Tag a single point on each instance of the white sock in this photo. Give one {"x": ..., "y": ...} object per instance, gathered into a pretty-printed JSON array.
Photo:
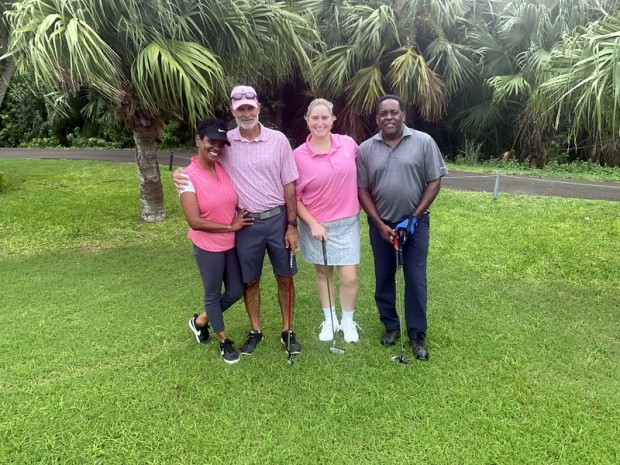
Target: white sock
[
  {"x": 327, "y": 314},
  {"x": 347, "y": 315}
]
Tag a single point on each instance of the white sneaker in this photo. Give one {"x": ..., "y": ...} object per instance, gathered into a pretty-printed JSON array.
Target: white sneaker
[
  {"x": 349, "y": 330},
  {"x": 327, "y": 332}
]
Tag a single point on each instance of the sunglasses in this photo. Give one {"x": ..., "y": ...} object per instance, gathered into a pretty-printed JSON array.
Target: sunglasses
[{"x": 242, "y": 95}]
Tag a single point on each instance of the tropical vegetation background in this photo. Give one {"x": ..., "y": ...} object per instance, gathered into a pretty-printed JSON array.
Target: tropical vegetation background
[{"x": 536, "y": 81}]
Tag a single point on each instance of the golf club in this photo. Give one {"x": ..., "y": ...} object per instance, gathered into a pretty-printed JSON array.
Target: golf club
[
  {"x": 290, "y": 306},
  {"x": 333, "y": 349},
  {"x": 399, "y": 297}
]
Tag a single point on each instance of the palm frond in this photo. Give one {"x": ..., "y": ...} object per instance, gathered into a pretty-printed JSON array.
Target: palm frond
[
  {"x": 445, "y": 13},
  {"x": 522, "y": 25},
  {"x": 335, "y": 68},
  {"x": 492, "y": 56},
  {"x": 365, "y": 88},
  {"x": 512, "y": 87},
  {"x": 64, "y": 51},
  {"x": 533, "y": 61},
  {"x": 481, "y": 117},
  {"x": 583, "y": 84},
  {"x": 177, "y": 77},
  {"x": 411, "y": 78},
  {"x": 455, "y": 67},
  {"x": 377, "y": 32}
]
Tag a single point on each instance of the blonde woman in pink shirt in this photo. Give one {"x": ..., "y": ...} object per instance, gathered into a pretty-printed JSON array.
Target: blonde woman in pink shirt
[
  {"x": 209, "y": 203},
  {"x": 328, "y": 207}
]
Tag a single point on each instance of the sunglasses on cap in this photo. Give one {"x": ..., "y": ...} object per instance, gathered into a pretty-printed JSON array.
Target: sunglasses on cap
[{"x": 242, "y": 95}]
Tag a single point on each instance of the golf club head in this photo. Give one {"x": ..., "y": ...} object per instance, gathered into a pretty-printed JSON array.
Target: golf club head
[
  {"x": 290, "y": 361},
  {"x": 400, "y": 359},
  {"x": 336, "y": 350}
]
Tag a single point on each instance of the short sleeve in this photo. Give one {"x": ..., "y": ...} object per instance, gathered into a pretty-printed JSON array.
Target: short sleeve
[
  {"x": 361, "y": 166},
  {"x": 189, "y": 187}
]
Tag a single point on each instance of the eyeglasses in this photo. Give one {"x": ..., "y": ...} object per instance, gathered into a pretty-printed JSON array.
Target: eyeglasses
[
  {"x": 392, "y": 113},
  {"x": 242, "y": 95}
]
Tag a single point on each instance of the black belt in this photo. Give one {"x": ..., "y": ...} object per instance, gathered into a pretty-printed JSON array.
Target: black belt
[{"x": 266, "y": 214}]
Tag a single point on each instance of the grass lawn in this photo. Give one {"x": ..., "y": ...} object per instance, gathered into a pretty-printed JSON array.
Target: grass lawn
[
  {"x": 576, "y": 170},
  {"x": 97, "y": 364}
]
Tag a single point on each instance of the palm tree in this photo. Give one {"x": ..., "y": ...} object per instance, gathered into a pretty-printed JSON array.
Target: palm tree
[
  {"x": 7, "y": 66},
  {"x": 399, "y": 46},
  {"x": 157, "y": 60},
  {"x": 582, "y": 91},
  {"x": 513, "y": 42}
]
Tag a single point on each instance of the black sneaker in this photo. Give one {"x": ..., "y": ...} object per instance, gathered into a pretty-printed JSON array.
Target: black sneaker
[
  {"x": 201, "y": 332},
  {"x": 254, "y": 337},
  {"x": 228, "y": 351},
  {"x": 390, "y": 337},
  {"x": 294, "y": 347},
  {"x": 419, "y": 349}
]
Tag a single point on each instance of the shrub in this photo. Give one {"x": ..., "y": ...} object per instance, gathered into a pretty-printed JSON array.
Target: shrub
[
  {"x": 175, "y": 135},
  {"x": 471, "y": 153},
  {"x": 23, "y": 115},
  {"x": 42, "y": 143},
  {"x": 76, "y": 140}
]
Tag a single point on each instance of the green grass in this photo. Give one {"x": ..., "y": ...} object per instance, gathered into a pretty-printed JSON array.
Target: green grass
[
  {"x": 97, "y": 364},
  {"x": 574, "y": 170}
]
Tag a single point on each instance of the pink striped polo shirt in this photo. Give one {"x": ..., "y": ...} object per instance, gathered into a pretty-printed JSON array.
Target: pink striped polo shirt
[
  {"x": 327, "y": 183},
  {"x": 260, "y": 168},
  {"x": 217, "y": 201}
]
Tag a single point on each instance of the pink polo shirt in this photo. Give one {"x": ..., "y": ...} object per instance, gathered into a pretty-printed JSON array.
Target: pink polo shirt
[
  {"x": 217, "y": 201},
  {"x": 327, "y": 183},
  {"x": 259, "y": 168}
]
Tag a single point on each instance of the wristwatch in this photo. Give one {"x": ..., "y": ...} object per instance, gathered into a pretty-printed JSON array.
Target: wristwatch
[{"x": 292, "y": 223}]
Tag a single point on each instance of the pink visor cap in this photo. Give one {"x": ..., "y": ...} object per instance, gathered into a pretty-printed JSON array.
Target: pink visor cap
[{"x": 243, "y": 95}]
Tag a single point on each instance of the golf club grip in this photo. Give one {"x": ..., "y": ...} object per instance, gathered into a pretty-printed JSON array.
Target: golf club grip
[{"x": 324, "y": 252}]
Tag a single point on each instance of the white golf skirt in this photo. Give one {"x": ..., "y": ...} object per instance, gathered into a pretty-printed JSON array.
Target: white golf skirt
[{"x": 342, "y": 246}]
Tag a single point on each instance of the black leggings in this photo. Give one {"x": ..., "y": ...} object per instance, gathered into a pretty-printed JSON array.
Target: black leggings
[{"x": 217, "y": 268}]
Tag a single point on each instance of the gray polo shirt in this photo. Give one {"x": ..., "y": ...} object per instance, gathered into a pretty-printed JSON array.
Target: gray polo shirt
[{"x": 396, "y": 177}]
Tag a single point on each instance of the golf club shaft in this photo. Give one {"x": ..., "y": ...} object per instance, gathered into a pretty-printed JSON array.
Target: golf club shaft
[
  {"x": 290, "y": 304},
  {"x": 329, "y": 297},
  {"x": 399, "y": 293}
]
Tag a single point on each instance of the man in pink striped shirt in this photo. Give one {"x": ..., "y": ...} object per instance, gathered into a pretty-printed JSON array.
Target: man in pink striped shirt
[{"x": 261, "y": 166}]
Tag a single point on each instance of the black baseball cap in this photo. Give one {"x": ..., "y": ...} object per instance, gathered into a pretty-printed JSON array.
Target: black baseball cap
[{"x": 214, "y": 129}]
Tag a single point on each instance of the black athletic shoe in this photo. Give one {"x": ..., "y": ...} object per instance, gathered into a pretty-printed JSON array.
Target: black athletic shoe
[
  {"x": 419, "y": 349},
  {"x": 254, "y": 337},
  {"x": 201, "y": 332},
  {"x": 228, "y": 351},
  {"x": 390, "y": 337},
  {"x": 294, "y": 348}
]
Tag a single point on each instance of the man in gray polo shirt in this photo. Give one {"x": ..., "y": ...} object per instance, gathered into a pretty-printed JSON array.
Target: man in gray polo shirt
[{"x": 399, "y": 174}]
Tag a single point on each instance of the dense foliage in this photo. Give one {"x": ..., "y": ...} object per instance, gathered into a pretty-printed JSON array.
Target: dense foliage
[
  {"x": 523, "y": 79},
  {"x": 153, "y": 62}
]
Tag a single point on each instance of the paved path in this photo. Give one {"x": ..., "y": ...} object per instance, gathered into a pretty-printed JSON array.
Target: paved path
[{"x": 458, "y": 180}]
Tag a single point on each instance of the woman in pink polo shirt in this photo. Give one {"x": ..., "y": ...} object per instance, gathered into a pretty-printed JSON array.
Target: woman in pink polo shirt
[
  {"x": 328, "y": 207},
  {"x": 209, "y": 203}
]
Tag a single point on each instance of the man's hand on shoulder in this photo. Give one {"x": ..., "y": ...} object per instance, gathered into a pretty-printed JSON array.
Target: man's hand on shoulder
[{"x": 179, "y": 178}]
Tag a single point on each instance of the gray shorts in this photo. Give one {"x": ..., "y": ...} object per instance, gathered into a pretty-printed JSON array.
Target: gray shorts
[
  {"x": 264, "y": 235},
  {"x": 342, "y": 246}
]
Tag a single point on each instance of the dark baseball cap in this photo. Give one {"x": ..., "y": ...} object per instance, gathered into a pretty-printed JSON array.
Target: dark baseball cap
[{"x": 214, "y": 129}]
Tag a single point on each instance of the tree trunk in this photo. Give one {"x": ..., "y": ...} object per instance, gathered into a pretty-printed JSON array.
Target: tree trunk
[
  {"x": 151, "y": 190},
  {"x": 7, "y": 73}
]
